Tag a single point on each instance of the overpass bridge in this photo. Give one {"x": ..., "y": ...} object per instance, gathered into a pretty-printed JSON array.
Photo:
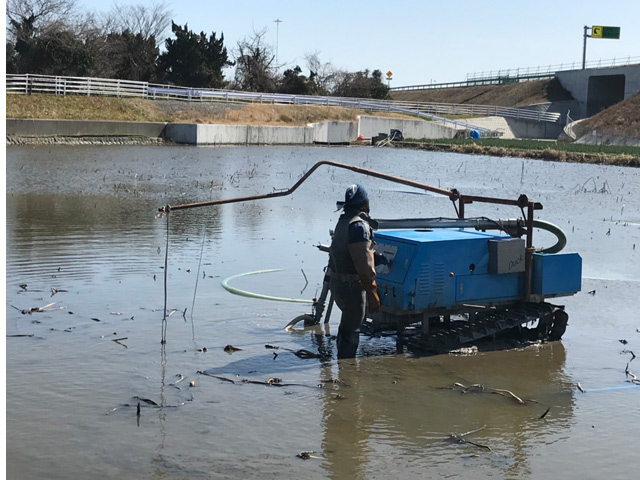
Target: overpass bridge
[{"x": 593, "y": 89}]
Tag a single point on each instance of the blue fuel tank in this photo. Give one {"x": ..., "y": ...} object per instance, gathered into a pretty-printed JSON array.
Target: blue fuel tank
[{"x": 449, "y": 268}]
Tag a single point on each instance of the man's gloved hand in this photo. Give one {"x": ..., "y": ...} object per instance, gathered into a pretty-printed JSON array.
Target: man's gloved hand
[
  {"x": 374, "y": 301},
  {"x": 369, "y": 285},
  {"x": 379, "y": 259}
]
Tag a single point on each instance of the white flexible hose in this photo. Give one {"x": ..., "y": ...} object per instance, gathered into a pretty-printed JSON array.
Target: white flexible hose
[{"x": 244, "y": 293}]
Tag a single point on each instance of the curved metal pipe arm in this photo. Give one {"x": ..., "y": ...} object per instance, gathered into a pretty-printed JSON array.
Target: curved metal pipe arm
[{"x": 452, "y": 194}]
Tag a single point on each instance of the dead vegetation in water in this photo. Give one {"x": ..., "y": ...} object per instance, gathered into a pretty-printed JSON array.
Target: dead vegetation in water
[
  {"x": 548, "y": 154},
  {"x": 590, "y": 186}
]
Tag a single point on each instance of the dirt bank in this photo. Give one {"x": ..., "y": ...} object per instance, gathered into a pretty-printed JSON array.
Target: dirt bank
[
  {"x": 545, "y": 154},
  {"x": 508, "y": 95}
]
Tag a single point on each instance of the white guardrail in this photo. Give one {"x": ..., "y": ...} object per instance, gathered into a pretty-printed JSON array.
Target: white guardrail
[{"x": 28, "y": 84}]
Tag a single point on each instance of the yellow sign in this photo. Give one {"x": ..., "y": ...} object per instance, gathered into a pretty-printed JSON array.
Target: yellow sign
[
  {"x": 389, "y": 74},
  {"x": 600, "y": 31}
]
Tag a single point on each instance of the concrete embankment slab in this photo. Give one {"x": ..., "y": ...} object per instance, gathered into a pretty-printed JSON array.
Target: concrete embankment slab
[
  {"x": 370, "y": 126},
  {"x": 37, "y": 127}
]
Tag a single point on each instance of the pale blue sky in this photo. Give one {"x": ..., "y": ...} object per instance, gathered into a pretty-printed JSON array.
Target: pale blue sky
[{"x": 419, "y": 41}]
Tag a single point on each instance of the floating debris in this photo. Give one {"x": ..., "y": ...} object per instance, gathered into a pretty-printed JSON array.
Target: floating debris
[
  {"x": 633, "y": 355},
  {"x": 306, "y": 455},
  {"x": 465, "y": 351},
  {"x": 146, "y": 400},
  {"x": 337, "y": 381},
  {"x": 47, "y": 308},
  {"x": 545, "y": 413},
  {"x": 175, "y": 384},
  {"x": 623, "y": 341},
  {"x": 224, "y": 379},
  {"x": 580, "y": 387},
  {"x": 118, "y": 340},
  {"x": 634, "y": 379},
  {"x": 459, "y": 438},
  {"x": 482, "y": 388},
  {"x": 274, "y": 347},
  {"x": 302, "y": 353},
  {"x": 231, "y": 348}
]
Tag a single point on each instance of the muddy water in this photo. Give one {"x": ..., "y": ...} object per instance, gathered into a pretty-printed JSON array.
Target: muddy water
[{"x": 82, "y": 221}]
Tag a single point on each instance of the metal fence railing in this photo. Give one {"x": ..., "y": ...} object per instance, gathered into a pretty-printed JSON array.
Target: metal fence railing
[
  {"x": 513, "y": 75},
  {"x": 44, "y": 84},
  {"x": 53, "y": 85}
]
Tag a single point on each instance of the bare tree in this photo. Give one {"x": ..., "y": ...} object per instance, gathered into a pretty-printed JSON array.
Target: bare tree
[
  {"x": 147, "y": 20},
  {"x": 40, "y": 15},
  {"x": 255, "y": 64},
  {"x": 323, "y": 75}
]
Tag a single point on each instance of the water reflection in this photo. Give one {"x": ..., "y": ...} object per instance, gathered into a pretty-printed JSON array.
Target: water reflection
[{"x": 374, "y": 407}]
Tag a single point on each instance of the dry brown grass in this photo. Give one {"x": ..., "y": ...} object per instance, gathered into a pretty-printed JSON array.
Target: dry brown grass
[
  {"x": 622, "y": 119},
  {"x": 83, "y": 108},
  {"x": 508, "y": 95},
  {"x": 142, "y": 110}
]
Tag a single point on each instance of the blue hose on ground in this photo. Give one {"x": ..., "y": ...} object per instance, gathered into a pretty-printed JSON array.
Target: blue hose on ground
[
  {"x": 611, "y": 388},
  {"x": 244, "y": 293}
]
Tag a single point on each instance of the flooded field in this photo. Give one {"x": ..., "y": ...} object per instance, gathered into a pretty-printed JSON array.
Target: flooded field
[{"x": 86, "y": 250}]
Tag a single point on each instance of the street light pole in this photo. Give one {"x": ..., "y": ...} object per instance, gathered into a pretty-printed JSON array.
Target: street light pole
[{"x": 277, "y": 22}]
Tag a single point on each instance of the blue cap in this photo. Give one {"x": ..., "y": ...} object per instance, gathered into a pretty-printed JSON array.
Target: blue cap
[{"x": 354, "y": 196}]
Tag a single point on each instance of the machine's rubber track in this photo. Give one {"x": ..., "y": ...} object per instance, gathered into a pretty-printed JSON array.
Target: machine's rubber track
[{"x": 552, "y": 321}]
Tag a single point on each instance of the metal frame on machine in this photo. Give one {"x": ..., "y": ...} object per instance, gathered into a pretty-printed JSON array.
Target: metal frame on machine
[{"x": 454, "y": 195}]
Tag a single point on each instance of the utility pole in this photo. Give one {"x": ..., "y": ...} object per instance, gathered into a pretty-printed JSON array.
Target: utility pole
[
  {"x": 584, "y": 47},
  {"x": 277, "y": 22}
]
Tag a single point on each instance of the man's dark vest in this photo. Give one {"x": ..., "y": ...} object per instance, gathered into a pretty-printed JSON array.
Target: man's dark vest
[{"x": 339, "y": 256}]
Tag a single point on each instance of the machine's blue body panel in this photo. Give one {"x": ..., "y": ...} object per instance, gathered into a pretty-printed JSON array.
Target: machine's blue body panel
[
  {"x": 556, "y": 274},
  {"x": 471, "y": 288},
  {"x": 445, "y": 268}
]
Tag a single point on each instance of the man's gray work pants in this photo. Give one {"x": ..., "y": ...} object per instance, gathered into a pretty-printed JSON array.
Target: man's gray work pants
[{"x": 351, "y": 300}]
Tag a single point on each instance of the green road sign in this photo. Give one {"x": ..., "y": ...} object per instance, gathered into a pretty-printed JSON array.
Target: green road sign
[{"x": 599, "y": 31}]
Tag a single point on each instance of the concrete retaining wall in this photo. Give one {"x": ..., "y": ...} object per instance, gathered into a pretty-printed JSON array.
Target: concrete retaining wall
[
  {"x": 335, "y": 132},
  {"x": 576, "y": 82},
  {"x": 250, "y": 135},
  {"x": 532, "y": 129},
  {"x": 23, "y": 126},
  {"x": 323, "y": 132},
  {"x": 370, "y": 126},
  {"x": 599, "y": 139},
  {"x": 201, "y": 134}
]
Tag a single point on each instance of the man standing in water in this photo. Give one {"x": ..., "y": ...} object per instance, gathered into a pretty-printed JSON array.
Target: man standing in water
[{"x": 353, "y": 275}]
